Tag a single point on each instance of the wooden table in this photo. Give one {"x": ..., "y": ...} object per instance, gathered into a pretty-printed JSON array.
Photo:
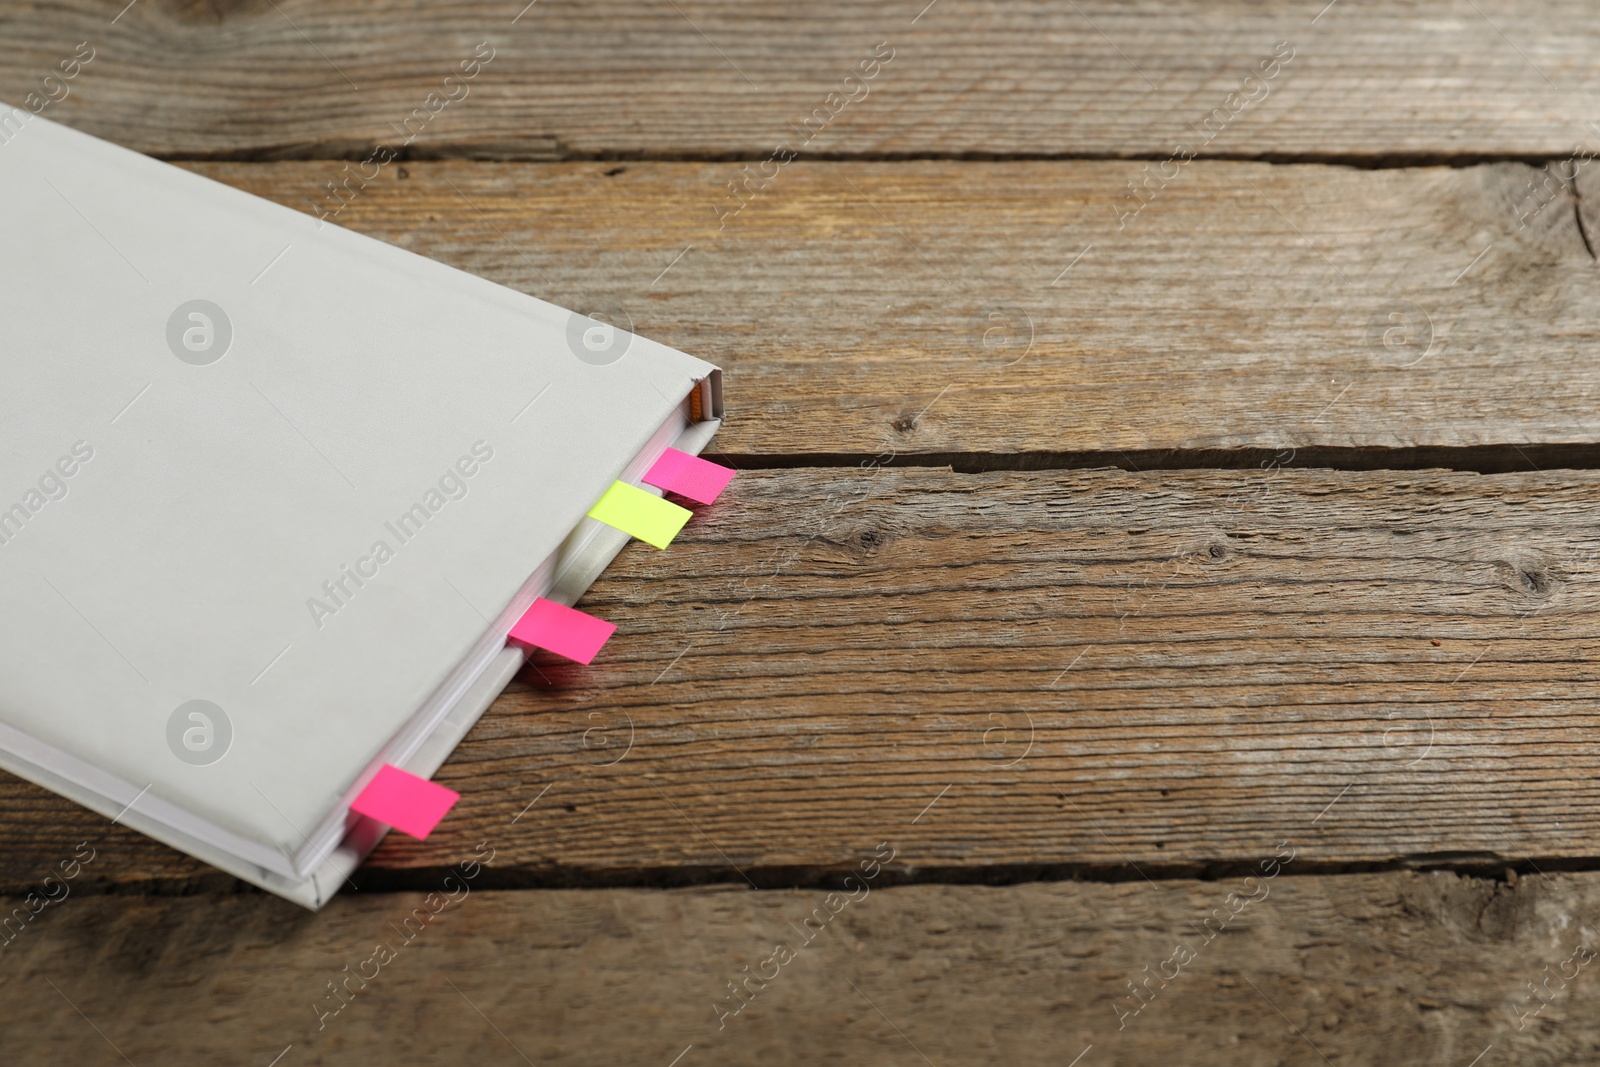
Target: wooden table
[{"x": 1157, "y": 618}]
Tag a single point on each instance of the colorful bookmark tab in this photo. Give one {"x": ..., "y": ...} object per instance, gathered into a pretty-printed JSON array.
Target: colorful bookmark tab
[
  {"x": 640, "y": 514},
  {"x": 698, "y": 479},
  {"x": 410, "y": 804},
  {"x": 565, "y": 631}
]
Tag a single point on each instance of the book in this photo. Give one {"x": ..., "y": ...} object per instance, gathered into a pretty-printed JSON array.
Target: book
[{"x": 272, "y": 495}]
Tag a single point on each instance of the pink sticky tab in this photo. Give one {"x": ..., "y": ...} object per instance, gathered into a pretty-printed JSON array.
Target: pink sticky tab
[
  {"x": 565, "y": 631},
  {"x": 410, "y": 804},
  {"x": 690, "y": 476}
]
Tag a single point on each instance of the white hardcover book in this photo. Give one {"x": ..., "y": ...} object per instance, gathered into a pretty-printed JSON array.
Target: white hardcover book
[{"x": 272, "y": 494}]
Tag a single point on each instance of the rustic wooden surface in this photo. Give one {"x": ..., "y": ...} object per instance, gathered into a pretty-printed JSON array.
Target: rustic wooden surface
[
  {"x": 1428, "y": 79},
  {"x": 982, "y": 595},
  {"x": 1379, "y": 968},
  {"x": 1072, "y": 671},
  {"x": 861, "y": 309}
]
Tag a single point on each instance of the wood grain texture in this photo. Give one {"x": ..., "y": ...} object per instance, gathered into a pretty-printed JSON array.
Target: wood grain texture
[
  {"x": 867, "y": 309},
  {"x": 724, "y": 78},
  {"x": 1024, "y": 675},
  {"x": 1382, "y": 969}
]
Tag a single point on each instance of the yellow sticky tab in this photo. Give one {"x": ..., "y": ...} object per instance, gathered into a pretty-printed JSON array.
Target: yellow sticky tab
[{"x": 640, "y": 514}]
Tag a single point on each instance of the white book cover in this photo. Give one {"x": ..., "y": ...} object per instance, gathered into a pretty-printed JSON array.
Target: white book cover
[{"x": 272, "y": 492}]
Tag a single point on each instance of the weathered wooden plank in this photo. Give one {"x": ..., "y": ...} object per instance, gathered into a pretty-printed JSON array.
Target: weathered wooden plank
[
  {"x": 1041, "y": 672},
  {"x": 877, "y": 308},
  {"x": 723, "y": 78},
  {"x": 1354, "y": 969}
]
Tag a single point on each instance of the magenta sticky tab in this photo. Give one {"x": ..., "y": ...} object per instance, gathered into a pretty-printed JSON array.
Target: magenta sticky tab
[
  {"x": 410, "y": 804},
  {"x": 565, "y": 631},
  {"x": 690, "y": 476}
]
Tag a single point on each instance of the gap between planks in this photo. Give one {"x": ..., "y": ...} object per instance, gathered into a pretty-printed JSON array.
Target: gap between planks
[
  {"x": 475, "y": 152},
  {"x": 1509, "y": 458}
]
